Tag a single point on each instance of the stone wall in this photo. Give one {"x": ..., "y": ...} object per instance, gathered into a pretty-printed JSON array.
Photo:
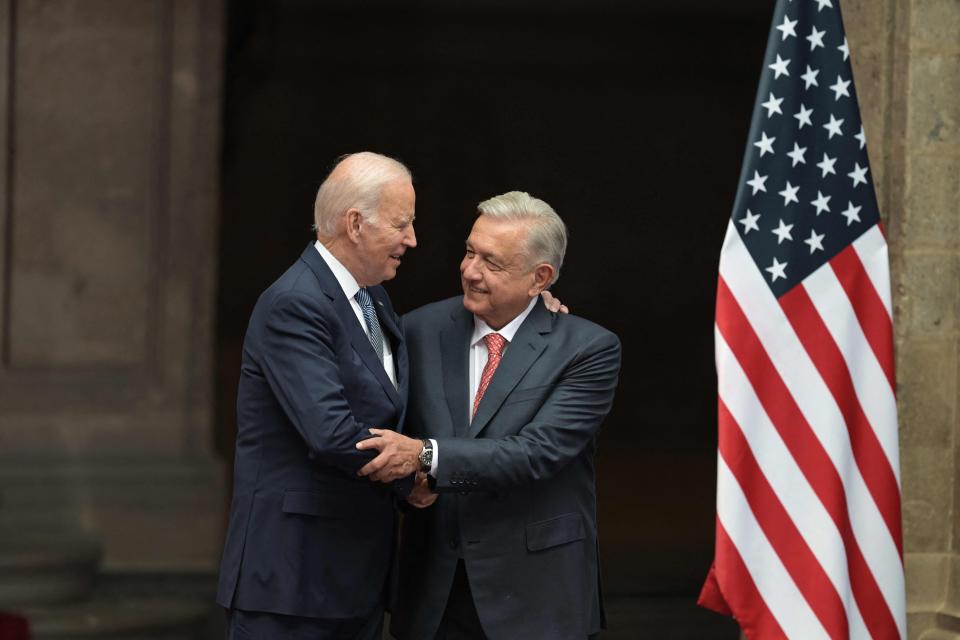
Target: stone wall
[
  {"x": 906, "y": 56},
  {"x": 108, "y": 217}
]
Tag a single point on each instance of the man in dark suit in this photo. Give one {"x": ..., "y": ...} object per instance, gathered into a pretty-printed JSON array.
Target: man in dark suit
[
  {"x": 310, "y": 542},
  {"x": 511, "y": 397}
]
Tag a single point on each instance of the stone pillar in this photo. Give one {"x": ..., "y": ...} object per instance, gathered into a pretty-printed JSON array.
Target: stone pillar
[
  {"x": 109, "y": 152},
  {"x": 907, "y": 67}
]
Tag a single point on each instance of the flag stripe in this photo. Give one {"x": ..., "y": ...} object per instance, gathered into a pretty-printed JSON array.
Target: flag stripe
[
  {"x": 851, "y": 329},
  {"x": 871, "y": 314},
  {"x": 780, "y": 469},
  {"x": 772, "y": 581},
  {"x": 807, "y": 450},
  {"x": 867, "y": 452},
  {"x": 741, "y": 592},
  {"x": 784, "y": 349},
  {"x": 871, "y": 248},
  {"x": 777, "y": 526}
]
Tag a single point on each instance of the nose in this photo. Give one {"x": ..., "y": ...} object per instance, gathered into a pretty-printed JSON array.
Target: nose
[
  {"x": 410, "y": 239},
  {"x": 469, "y": 269}
]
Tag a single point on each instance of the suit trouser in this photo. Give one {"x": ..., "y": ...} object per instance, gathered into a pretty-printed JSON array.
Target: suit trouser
[
  {"x": 460, "y": 619},
  {"x": 253, "y": 625}
]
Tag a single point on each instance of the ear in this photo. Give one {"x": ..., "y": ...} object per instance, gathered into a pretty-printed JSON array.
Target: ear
[
  {"x": 354, "y": 222},
  {"x": 542, "y": 275}
]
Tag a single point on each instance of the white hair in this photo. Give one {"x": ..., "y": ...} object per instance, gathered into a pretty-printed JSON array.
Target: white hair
[
  {"x": 546, "y": 232},
  {"x": 356, "y": 181}
]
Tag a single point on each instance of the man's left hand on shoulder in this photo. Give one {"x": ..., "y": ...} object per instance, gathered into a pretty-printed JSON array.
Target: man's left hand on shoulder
[{"x": 552, "y": 303}]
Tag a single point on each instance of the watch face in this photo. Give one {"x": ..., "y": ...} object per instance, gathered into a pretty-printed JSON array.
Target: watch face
[{"x": 426, "y": 458}]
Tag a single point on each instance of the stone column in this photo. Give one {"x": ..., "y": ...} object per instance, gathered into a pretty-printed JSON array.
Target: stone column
[
  {"x": 907, "y": 67},
  {"x": 109, "y": 152}
]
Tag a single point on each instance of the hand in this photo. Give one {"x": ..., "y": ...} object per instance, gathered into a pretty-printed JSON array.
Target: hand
[
  {"x": 421, "y": 496},
  {"x": 553, "y": 304},
  {"x": 399, "y": 455}
]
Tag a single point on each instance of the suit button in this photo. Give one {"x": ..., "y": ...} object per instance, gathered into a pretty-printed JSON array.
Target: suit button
[{"x": 454, "y": 543}]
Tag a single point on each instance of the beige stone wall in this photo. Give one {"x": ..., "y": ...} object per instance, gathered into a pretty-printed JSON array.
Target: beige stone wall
[
  {"x": 109, "y": 161},
  {"x": 906, "y": 56}
]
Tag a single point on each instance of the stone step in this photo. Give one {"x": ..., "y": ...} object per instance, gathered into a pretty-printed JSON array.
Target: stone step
[
  {"x": 46, "y": 567},
  {"x": 131, "y": 619}
]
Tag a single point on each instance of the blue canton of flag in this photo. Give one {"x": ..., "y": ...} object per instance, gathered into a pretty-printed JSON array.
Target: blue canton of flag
[{"x": 806, "y": 191}]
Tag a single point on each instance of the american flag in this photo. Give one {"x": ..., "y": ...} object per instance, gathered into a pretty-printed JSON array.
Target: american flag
[{"x": 808, "y": 539}]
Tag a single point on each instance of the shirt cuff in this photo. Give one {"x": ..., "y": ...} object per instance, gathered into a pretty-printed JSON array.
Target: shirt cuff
[{"x": 433, "y": 463}]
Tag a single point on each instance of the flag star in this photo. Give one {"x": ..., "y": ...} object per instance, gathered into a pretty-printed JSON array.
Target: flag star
[
  {"x": 816, "y": 38},
  {"x": 815, "y": 241},
  {"x": 826, "y": 165},
  {"x": 779, "y": 67},
  {"x": 772, "y": 105},
  {"x": 803, "y": 116},
  {"x": 844, "y": 48},
  {"x": 797, "y": 154},
  {"x": 749, "y": 222},
  {"x": 862, "y": 137},
  {"x": 821, "y": 203},
  {"x": 823, "y": 3},
  {"x": 789, "y": 193},
  {"x": 758, "y": 183},
  {"x": 840, "y": 88},
  {"x": 858, "y": 175},
  {"x": 787, "y": 28},
  {"x": 765, "y": 144},
  {"x": 810, "y": 77},
  {"x": 783, "y": 232},
  {"x": 852, "y": 214},
  {"x": 833, "y": 126},
  {"x": 777, "y": 270}
]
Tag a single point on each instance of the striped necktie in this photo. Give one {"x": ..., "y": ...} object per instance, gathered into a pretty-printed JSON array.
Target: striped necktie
[{"x": 373, "y": 323}]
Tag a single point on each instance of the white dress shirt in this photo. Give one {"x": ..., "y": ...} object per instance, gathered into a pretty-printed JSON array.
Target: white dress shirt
[
  {"x": 350, "y": 287},
  {"x": 479, "y": 357}
]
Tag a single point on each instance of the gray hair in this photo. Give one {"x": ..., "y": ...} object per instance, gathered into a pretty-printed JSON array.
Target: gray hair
[
  {"x": 356, "y": 181},
  {"x": 546, "y": 232}
]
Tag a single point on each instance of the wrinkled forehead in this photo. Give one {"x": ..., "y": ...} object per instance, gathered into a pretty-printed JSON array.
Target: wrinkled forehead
[{"x": 503, "y": 237}]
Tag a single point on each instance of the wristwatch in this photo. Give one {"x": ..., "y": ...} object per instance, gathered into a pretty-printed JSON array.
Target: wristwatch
[{"x": 426, "y": 456}]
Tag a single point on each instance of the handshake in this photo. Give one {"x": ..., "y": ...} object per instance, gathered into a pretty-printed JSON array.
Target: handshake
[{"x": 398, "y": 457}]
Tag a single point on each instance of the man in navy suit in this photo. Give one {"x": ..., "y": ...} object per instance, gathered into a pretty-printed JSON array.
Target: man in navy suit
[
  {"x": 310, "y": 541},
  {"x": 511, "y": 397}
]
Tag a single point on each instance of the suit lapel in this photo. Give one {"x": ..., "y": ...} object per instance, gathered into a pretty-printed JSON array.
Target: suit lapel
[
  {"x": 455, "y": 360},
  {"x": 529, "y": 342},
  {"x": 358, "y": 337}
]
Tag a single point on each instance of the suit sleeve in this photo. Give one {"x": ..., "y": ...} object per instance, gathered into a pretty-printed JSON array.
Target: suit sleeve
[
  {"x": 565, "y": 425},
  {"x": 300, "y": 365}
]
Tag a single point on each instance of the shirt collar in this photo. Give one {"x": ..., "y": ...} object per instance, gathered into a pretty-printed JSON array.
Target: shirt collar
[
  {"x": 347, "y": 282},
  {"x": 509, "y": 330}
]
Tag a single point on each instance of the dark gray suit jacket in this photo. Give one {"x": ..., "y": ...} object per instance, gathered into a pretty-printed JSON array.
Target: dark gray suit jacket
[{"x": 517, "y": 501}]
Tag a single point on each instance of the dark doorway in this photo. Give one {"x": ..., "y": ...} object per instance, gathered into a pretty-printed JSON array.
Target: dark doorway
[{"x": 628, "y": 117}]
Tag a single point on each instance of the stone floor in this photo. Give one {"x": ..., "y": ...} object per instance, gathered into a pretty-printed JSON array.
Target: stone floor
[{"x": 122, "y": 607}]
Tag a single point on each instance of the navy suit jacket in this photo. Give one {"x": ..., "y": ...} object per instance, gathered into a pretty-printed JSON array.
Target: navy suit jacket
[
  {"x": 307, "y": 536},
  {"x": 517, "y": 499}
]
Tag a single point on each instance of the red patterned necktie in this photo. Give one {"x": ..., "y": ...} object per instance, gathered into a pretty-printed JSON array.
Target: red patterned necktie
[{"x": 495, "y": 343}]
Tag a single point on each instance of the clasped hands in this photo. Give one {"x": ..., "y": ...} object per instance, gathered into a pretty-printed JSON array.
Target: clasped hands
[{"x": 398, "y": 457}]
